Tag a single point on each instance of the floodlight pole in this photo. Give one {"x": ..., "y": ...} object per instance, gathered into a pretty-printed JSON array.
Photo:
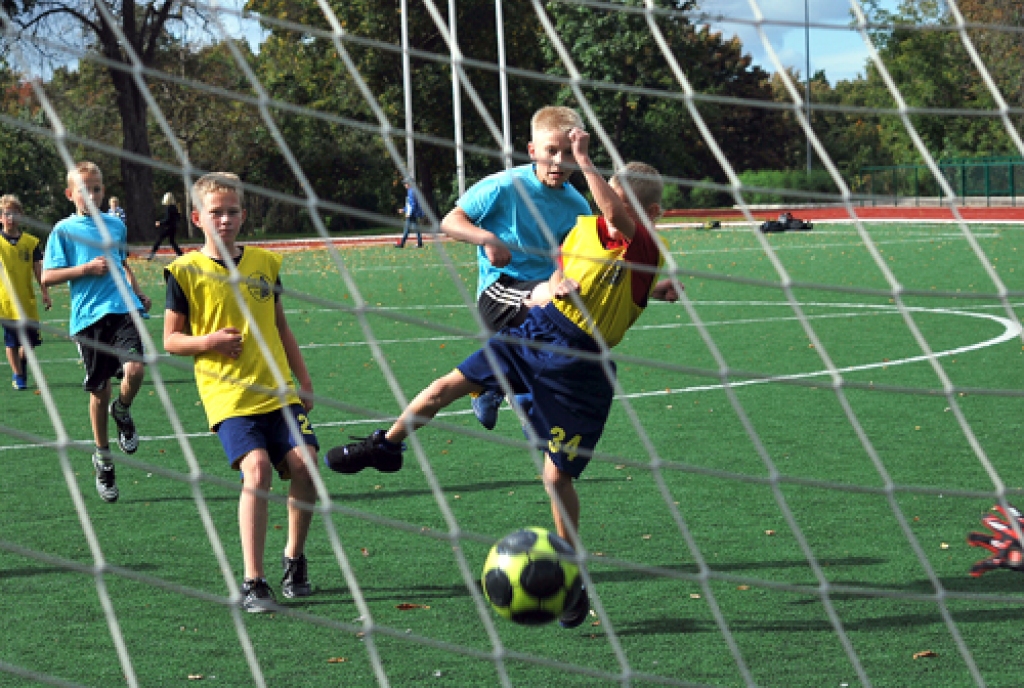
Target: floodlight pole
[
  {"x": 460, "y": 154},
  {"x": 506, "y": 125},
  {"x": 410, "y": 160},
  {"x": 807, "y": 76}
]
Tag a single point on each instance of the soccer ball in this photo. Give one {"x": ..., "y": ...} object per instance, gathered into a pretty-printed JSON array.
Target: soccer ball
[{"x": 529, "y": 577}]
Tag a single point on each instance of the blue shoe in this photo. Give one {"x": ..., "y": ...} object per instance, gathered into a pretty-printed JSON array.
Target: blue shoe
[
  {"x": 19, "y": 382},
  {"x": 486, "y": 406},
  {"x": 525, "y": 402}
]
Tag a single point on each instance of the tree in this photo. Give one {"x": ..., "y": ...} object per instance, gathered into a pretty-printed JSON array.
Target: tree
[
  {"x": 143, "y": 28},
  {"x": 307, "y": 71},
  {"x": 29, "y": 165},
  {"x": 616, "y": 47}
]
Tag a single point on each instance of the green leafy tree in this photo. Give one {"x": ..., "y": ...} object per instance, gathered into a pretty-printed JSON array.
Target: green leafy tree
[
  {"x": 29, "y": 165},
  {"x": 616, "y": 47},
  {"x": 143, "y": 27}
]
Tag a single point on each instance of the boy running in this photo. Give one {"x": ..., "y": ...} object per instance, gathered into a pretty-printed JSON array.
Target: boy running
[
  {"x": 101, "y": 321},
  {"x": 22, "y": 259},
  {"x": 514, "y": 257}
]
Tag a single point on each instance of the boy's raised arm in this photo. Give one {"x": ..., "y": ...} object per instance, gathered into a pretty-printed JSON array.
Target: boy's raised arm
[{"x": 608, "y": 202}]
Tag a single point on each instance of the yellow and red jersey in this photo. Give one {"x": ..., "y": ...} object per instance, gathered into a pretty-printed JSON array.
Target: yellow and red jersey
[{"x": 615, "y": 277}]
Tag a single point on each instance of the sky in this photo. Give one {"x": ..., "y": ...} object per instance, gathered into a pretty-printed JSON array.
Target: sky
[{"x": 841, "y": 51}]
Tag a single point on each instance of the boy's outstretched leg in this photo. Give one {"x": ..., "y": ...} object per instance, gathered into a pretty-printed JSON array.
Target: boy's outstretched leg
[
  {"x": 301, "y": 498},
  {"x": 383, "y": 450},
  {"x": 257, "y": 475}
]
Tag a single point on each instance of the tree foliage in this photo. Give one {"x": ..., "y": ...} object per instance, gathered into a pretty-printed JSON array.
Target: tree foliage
[{"x": 206, "y": 97}]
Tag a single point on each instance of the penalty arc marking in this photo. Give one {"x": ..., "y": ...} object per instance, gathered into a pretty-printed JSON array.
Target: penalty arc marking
[{"x": 1011, "y": 330}]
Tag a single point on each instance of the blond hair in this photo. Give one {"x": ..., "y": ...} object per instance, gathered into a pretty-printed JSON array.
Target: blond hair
[
  {"x": 643, "y": 180},
  {"x": 555, "y": 118},
  {"x": 168, "y": 199},
  {"x": 80, "y": 170},
  {"x": 10, "y": 201},
  {"x": 216, "y": 182},
  {"x": 114, "y": 199}
]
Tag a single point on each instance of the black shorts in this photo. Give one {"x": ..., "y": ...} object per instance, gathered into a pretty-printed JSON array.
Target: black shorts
[
  {"x": 105, "y": 345},
  {"x": 501, "y": 304}
]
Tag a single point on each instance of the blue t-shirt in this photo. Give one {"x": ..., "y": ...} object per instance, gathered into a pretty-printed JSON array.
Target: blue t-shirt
[
  {"x": 77, "y": 240},
  {"x": 496, "y": 204}
]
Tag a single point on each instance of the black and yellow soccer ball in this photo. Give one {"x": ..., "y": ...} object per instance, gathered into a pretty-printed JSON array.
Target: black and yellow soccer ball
[{"x": 529, "y": 577}]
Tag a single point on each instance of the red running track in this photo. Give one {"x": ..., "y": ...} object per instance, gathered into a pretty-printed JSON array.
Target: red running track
[{"x": 864, "y": 213}]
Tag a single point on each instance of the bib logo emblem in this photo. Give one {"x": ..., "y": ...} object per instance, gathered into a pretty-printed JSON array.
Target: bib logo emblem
[{"x": 259, "y": 286}]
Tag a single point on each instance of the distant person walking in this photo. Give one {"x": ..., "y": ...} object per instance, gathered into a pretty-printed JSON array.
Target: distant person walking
[
  {"x": 116, "y": 210},
  {"x": 168, "y": 225},
  {"x": 413, "y": 212}
]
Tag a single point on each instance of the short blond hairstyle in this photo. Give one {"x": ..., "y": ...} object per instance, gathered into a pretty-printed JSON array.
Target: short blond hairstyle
[
  {"x": 10, "y": 201},
  {"x": 168, "y": 199},
  {"x": 216, "y": 182},
  {"x": 643, "y": 180},
  {"x": 555, "y": 118},
  {"x": 81, "y": 169},
  {"x": 114, "y": 199}
]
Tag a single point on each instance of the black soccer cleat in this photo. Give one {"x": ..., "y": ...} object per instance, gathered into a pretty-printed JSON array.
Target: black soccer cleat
[
  {"x": 295, "y": 582},
  {"x": 106, "y": 485},
  {"x": 577, "y": 614},
  {"x": 367, "y": 452},
  {"x": 127, "y": 437},
  {"x": 257, "y": 596}
]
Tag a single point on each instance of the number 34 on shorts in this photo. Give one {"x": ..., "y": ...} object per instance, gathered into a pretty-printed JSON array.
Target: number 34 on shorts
[{"x": 558, "y": 443}]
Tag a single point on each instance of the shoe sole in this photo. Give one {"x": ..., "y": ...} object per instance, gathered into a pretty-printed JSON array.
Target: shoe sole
[
  {"x": 293, "y": 593},
  {"x": 260, "y": 608}
]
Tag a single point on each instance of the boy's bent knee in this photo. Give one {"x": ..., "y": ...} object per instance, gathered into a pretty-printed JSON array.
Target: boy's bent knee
[
  {"x": 453, "y": 386},
  {"x": 554, "y": 477}
]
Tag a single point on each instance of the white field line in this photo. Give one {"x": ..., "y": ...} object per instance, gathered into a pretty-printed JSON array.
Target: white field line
[{"x": 1011, "y": 330}]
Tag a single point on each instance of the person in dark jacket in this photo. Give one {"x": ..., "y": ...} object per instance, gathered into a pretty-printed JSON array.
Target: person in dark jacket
[
  {"x": 168, "y": 225},
  {"x": 413, "y": 213}
]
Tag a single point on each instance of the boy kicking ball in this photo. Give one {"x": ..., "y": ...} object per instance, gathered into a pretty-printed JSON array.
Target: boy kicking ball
[{"x": 609, "y": 265}]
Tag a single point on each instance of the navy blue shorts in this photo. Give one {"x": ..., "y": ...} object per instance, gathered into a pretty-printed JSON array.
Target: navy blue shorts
[
  {"x": 13, "y": 341},
  {"x": 572, "y": 396},
  {"x": 243, "y": 434}
]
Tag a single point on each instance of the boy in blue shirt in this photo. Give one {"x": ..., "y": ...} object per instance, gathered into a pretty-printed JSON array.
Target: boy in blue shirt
[
  {"x": 517, "y": 242},
  {"x": 77, "y": 252}
]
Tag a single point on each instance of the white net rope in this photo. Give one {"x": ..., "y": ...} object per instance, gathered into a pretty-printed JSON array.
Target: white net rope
[{"x": 72, "y": 451}]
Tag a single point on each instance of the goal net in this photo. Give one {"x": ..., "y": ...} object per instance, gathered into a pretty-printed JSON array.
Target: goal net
[{"x": 797, "y": 448}]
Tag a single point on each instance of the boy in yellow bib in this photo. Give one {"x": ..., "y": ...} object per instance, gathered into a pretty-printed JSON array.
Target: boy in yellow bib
[
  {"x": 240, "y": 394},
  {"x": 608, "y": 270},
  {"x": 22, "y": 259}
]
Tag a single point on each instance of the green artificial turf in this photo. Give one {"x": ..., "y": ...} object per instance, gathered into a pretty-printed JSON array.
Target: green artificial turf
[{"x": 784, "y": 531}]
